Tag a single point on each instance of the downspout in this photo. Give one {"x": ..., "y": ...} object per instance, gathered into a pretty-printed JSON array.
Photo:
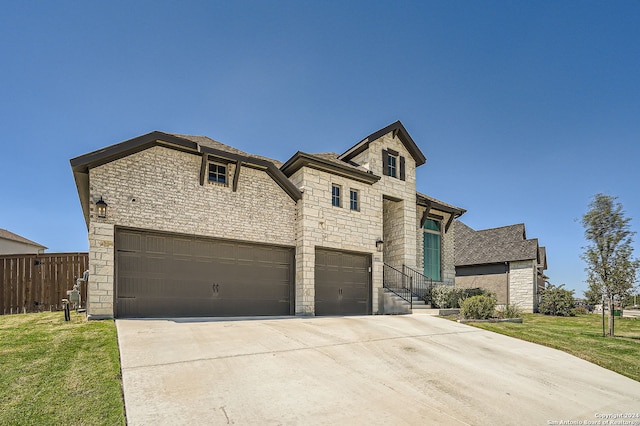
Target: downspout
[{"x": 506, "y": 265}]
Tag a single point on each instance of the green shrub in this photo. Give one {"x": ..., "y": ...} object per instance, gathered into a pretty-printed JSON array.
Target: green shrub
[
  {"x": 512, "y": 310},
  {"x": 580, "y": 310},
  {"x": 557, "y": 301},
  {"x": 478, "y": 307},
  {"x": 446, "y": 296}
]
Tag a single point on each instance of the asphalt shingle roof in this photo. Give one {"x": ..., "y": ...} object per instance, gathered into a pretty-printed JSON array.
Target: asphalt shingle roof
[
  {"x": 8, "y": 235},
  {"x": 206, "y": 141},
  {"x": 496, "y": 245}
]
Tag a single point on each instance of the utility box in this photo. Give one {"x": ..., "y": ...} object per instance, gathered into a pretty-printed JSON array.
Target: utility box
[{"x": 73, "y": 296}]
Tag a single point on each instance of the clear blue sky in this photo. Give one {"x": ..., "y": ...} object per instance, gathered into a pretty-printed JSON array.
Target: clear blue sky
[{"x": 524, "y": 110}]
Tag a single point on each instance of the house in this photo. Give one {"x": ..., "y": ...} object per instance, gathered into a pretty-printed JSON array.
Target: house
[
  {"x": 11, "y": 243},
  {"x": 183, "y": 225},
  {"x": 503, "y": 261}
]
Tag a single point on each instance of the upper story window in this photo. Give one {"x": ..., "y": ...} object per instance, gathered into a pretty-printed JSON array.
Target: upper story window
[
  {"x": 354, "y": 202},
  {"x": 218, "y": 173},
  {"x": 335, "y": 195},
  {"x": 393, "y": 164},
  {"x": 392, "y": 160}
]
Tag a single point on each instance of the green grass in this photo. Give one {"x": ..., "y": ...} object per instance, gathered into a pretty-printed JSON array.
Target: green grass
[
  {"x": 581, "y": 336},
  {"x": 54, "y": 372}
]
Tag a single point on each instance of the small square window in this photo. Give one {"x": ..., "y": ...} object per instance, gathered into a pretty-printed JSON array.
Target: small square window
[
  {"x": 354, "y": 202},
  {"x": 335, "y": 196},
  {"x": 218, "y": 173}
]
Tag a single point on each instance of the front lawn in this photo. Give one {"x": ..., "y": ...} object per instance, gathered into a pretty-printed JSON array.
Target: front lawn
[
  {"x": 57, "y": 372},
  {"x": 581, "y": 336}
]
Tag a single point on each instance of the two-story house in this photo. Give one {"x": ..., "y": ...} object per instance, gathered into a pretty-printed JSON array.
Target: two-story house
[{"x": 187, "y": 226}]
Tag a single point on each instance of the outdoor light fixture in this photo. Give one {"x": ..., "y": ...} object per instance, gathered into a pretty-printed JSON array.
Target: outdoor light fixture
[
  {"x": 101, "y": 206},
  {"x": 379, "y": 244}
]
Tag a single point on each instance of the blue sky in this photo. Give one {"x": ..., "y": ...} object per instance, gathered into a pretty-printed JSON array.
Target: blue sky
[{"x": 524, "y": 110}]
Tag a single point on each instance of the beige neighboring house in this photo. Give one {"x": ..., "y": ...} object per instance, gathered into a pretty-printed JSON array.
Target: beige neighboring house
[
  {"x": 11, "y": 243},
  {"x": 194, "y": 227},
  {"x": 503, "y": 261}
]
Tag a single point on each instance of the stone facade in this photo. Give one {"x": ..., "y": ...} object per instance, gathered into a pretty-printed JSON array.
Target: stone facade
[
  {"x": 320, "y": 224},
  {"x": 399, "y": 200},
  {"x": 100, "y": 291},
  {"x": 522, "y": 284},
  {"x": 159, "y": 189}
]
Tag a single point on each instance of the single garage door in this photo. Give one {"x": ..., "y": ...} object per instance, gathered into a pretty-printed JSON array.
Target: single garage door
[
  {"x": 169, "y": 275},
  {"x": 342, "y": 283}
]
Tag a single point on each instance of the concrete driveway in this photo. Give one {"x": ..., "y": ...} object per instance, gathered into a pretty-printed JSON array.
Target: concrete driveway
[{"x": 391, "y": 370}]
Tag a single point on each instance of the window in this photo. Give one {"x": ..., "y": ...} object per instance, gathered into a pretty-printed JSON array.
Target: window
[
  {"x": 393, "y": 164},
  {"x": 218, "y": 173},
  {"x": 432, "y": 249},
  {"x": 353, "y": 200},
  {"x": 335, "y": 195}
]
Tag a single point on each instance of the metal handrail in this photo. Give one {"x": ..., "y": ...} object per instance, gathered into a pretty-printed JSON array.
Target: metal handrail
[
  {"x": 398, "y": 283},
  {"x": 422, "y": 285}
]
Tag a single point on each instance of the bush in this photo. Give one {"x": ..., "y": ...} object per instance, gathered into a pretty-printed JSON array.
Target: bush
[
  {"x": 478, "y": 307},
  {"x": 512, "y": 310},
  {"x": 557, "y": 301},
  {"x": 580, "y": 310},
  {"x": 446, "y": 296}
]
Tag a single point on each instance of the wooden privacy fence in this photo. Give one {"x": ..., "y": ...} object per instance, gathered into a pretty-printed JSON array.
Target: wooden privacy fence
[{"x": 39, "y": 282}]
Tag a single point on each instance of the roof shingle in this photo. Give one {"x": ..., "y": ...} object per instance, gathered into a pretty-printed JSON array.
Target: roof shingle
[
  {"x": 496, "y": 245},
  {"x": 8, "y": 235}
]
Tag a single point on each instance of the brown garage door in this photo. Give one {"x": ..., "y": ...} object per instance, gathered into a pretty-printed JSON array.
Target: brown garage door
[
  {"x": 168, "y": 275},
  {"x": 342, "y": 283}
]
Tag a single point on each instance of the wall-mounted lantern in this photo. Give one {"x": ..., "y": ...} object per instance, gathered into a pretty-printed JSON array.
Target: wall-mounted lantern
[
  {"x": 379, "y": 244},
  {"x": 101, "y": 207}
]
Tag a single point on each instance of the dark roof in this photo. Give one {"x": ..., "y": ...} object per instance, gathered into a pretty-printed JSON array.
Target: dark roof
[
  {"x": 399, "y": 130},
  {"x": 330, "y": 163},
  {"x": 496, "y": 245},
  {"x": 427, "y": 200},
  {"x": 542, "y": 258},
  {"x": 206, "y": 141},
  {"x": 199, "y": 145},
  {"x": 8, "y": 235}
]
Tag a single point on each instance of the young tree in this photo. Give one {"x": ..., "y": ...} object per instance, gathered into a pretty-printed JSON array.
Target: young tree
[{"x": 610, "y": 267}]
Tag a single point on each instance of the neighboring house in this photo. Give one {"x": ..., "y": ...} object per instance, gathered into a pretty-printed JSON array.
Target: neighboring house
[
  {"x": 194, "y": 227},
  {"x": 503, "y": 261},
  {"x": 11, "y": 243}
]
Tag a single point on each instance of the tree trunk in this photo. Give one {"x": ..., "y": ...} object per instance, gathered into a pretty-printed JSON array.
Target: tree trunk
[{"x": 611, "y": 316}]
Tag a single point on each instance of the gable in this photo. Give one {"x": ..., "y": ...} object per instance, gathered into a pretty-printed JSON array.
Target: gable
[
  {"x": 196, "y": 145},
  {"x": 399, "y": 131}
]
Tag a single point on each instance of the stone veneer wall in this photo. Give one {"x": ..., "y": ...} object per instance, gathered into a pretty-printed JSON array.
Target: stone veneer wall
[
  {"x": 320, "y": 224},
  {"x": 522, "y": 283},
  {"x": 100, "y": 291},
  {"x": 159, "y": 189},
  {"x": 401, "y": 217},
  {"x": 448, "y": 271}
]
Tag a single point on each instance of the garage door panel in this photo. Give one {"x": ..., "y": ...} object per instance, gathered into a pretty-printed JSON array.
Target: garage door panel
[
  {"x": 342, "y": 283},
  {"x": 163, "y": 275}
]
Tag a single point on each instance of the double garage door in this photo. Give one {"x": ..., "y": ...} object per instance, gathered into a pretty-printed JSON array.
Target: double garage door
[{"x": 169, "y": 275}]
